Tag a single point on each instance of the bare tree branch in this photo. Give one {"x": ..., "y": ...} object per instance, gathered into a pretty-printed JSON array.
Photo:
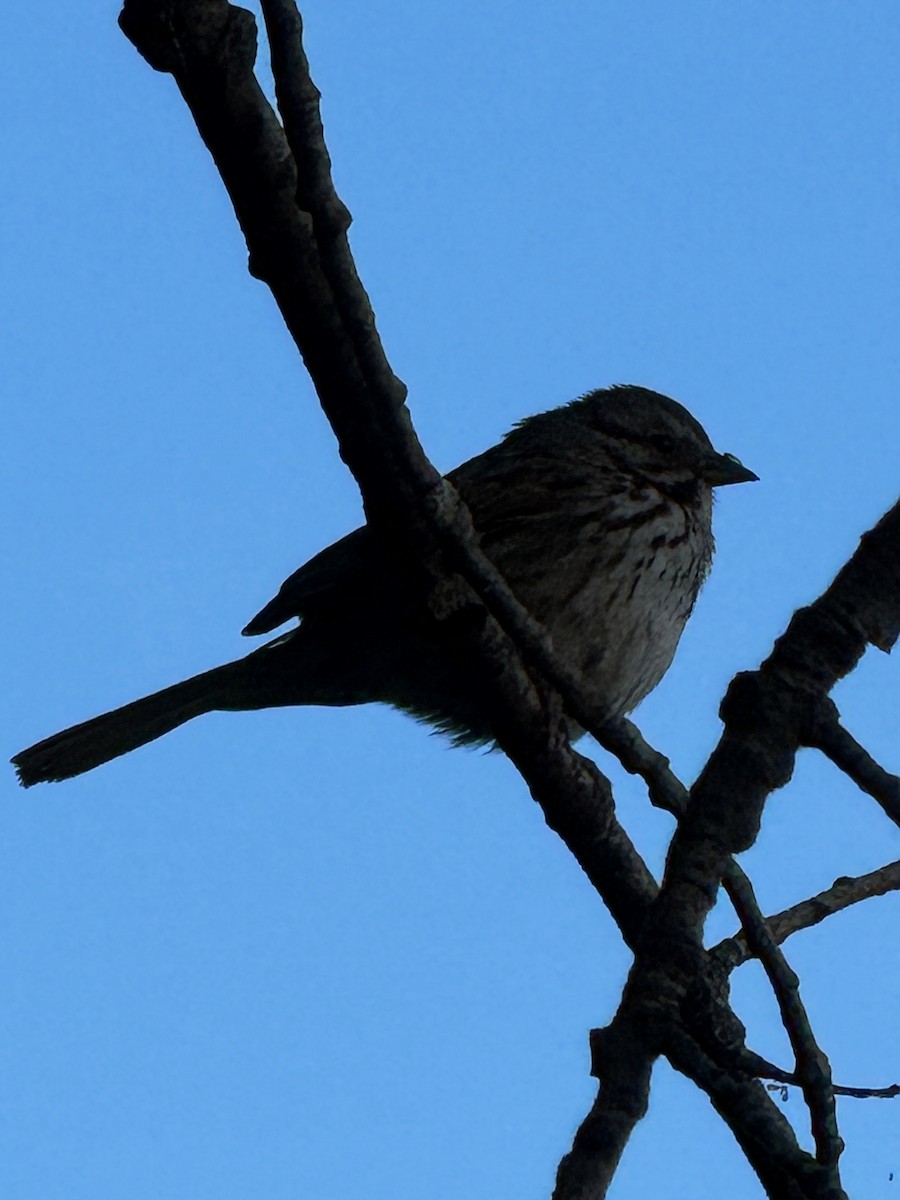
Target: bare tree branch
[
  {"x": 295, "y": 225},
  {"x": 844, "y": 892},
  {"x": 812, "y": 1070},
  {"x": 760, "y": 1068},
  {"x": 827, "y": 734},
  {"x": 765, "y": 714}
]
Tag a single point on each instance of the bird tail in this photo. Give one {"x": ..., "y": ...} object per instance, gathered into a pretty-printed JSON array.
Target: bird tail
[{"x": 235, "y": 686}]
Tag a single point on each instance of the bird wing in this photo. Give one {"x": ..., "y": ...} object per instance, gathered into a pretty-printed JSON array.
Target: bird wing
[
  {"x": 498, "y": 485},
  {"x": 340, "y": 572}
]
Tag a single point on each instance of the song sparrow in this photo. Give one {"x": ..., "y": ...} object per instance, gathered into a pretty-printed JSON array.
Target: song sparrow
[{"x": 597, "y": 513}]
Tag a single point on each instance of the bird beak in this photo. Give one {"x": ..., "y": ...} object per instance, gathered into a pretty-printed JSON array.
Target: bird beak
[{"x": 720, "y": 469}]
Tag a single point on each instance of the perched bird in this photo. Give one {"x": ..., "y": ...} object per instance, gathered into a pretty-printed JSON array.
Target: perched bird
[{"x": 598, "y": 514}]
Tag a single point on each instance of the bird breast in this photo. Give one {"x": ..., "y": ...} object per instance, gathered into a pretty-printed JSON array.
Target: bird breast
[{"x": 613, "y": 573}]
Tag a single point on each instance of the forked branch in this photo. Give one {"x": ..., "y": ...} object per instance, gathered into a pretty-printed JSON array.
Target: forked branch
[{"x": 278, "y": 177}]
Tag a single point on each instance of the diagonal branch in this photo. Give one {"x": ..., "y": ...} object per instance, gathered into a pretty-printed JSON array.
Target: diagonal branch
[
  {"x": 812, "y": 1070},
  {"x": 826, "y": 733},
  {"x": 295, "y": 230},
  {"x": 209, "y": 47},
  {"x": 844, "y": 892}
]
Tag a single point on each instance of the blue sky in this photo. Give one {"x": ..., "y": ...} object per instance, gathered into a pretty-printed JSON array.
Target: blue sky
[{"x": 316, "y": 951}]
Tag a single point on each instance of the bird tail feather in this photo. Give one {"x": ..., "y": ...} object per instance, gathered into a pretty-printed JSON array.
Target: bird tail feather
[{"x": 85, "y": 746}]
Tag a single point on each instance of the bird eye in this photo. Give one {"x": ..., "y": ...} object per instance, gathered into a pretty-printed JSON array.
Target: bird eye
[{"x": 664, "y": 442}]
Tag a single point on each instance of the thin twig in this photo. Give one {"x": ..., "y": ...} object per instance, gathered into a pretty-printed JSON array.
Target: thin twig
[
  {"x": 826, "y": 733},
  {"x": 812, "y": 1069},
  {"x": 843, "y": 893},
  {"x": 766, "y": 1070}
]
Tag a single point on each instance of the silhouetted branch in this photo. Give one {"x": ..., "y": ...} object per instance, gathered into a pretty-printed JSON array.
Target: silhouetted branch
[
  {"x": 812, "y": 1070},
  {"x": 623, "y": 1067},
  {"x": 765, "y": 713},
  {"x": 762, "y": 1069},
  {"x": 295, "y": 225},
  {"x": 209, "y": 47},
  {"x": 844, "y": 892},
  {"x": 828, "y": 735}
]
